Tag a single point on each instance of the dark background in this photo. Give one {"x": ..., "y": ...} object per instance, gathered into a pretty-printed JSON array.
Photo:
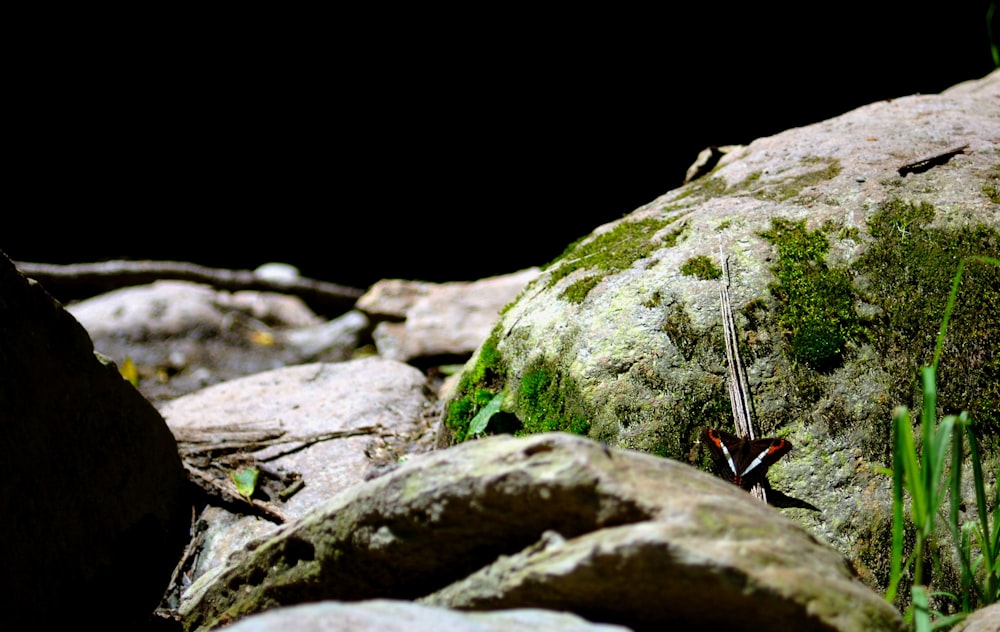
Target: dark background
[{"x": 428, "y": 146}]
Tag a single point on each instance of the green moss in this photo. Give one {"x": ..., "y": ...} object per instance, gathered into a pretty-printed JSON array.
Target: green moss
[
  {"x": 992, "y": 186},
  {"x": 476, "y": 388},
  {"x": 709, "y": 187},
  {"x": 678, "y": 326},
  {"x": 610, "y": 253},
  {"x": 696, "y": 405},
  {"x": 815, "y": 303},
  {"x": 849, "y": 232},
  {"x": 790, "y": 187},
  {"x": 543, "y": 404},
  {"x": 578, "y": 290},
  {"x": 774, "y": 189},
  {"x": 654, "y": 300},
  {"x": 702, "y": 267},
  {"x": 909, "y": 270}
]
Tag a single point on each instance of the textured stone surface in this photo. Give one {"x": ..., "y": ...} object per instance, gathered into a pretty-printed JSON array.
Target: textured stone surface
[
  {"x": 94, "y": 501},
  {"x": 337, "y": 422},
  {"x": 401, "y": 616},
  {"x": 984, "y": 620},
  {"x": 184, "y": 336},
  {"x": 632, "y": 523},
  {"x": 429, "y": 320},
  {"x": 618, "y": 338}
]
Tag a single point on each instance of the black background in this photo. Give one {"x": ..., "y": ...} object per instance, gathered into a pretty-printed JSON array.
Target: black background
[{"x": 438, "y": 146}]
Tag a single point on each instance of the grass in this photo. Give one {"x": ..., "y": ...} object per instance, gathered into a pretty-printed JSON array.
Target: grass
[{"x": 927, "y": 481}]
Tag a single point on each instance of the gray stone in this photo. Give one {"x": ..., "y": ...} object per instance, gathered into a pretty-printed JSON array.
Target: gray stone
[
  {"x": 632, "y": 523},
  {"x": 983, "y": 620},
  {"x": 332, "y": 424},
  {"x": 185, "y": 336},
  {"x": 402, "y": 616},
  {"x": 438, "y": 319},
  {"x": 95, "y": 503},
  {"x": 621, "y": 338}
]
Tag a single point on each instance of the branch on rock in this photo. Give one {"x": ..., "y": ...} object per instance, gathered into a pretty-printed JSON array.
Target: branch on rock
[
  {"x": 210, "y": 454},
  {"x": 80, "y": 280}
]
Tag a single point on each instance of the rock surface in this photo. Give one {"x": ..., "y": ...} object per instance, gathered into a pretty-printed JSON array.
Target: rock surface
[
  {"x": 985, "y": 620},
  {"x": 642, "y": 542},
  {"x": 326, "y": 425},
  {"x": 434, "y": 320},
  {"x": 185, "y": 336},
  {"x": 620, "y": 335},
  {"x": 95, "y": 503},
  {"x": 841, "y": 249},
  {"x": 403, "y": 616}
]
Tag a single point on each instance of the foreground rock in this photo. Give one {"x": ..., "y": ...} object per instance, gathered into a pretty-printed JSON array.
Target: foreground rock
[
  {"x": 985, "y": 620},
  {"x": 401, "y": 616},
  {"x": 94, "y": 500},
  {"x": 613, "y": 536},
  {"x": 842, "y": 245}
]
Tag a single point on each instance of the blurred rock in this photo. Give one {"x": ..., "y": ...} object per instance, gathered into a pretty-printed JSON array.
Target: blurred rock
[{"x": 440, "y": 321}]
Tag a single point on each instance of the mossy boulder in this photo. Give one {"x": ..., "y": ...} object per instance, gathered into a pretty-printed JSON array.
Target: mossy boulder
[{"x": 841, "y": 251}]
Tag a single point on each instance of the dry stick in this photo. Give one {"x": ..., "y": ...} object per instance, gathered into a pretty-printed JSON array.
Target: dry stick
[
  {"x": 201, "y": 448},
  {"x": 109, "y": 275},
  {"x": 739, "y": 389}
]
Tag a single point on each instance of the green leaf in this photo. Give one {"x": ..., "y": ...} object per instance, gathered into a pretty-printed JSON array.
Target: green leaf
[
  {"x": 245, "y": 480},
  {"x": 482, "y": 418}
]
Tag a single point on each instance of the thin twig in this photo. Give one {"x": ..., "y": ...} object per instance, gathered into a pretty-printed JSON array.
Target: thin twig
[
  {"x": 87, "y": 279},
  {"x": 739, "y": 389},
  {"x": 229, "y": 492},
  {"x": 924, "y": 163}
]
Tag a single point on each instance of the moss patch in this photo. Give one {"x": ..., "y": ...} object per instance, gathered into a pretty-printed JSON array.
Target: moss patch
[
  {"x": 909, "y": 271},
  {"x": 476, "y": 388},
  {"x": 790, "y": 187},
  {"x": 815, "y": 303},
  {"x": 610, "y": 253},
  {"x": 702, "y": 267},
  {"x": 542, "y": 399},
  {"x": 992, "y": 186}
]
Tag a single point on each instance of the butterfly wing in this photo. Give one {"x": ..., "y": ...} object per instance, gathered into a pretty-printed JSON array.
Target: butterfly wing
[
  {"x": 721, "y": 445},
  {"x": 758, "y": 456},
  {"x": 743, "y": 462}
]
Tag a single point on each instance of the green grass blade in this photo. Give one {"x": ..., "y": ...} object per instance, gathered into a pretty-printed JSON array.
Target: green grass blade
[
  {"x": 928, "y": 455},
  {"x": 900, "y": 426},
  {"x": 941, "y": 443},
  {"x": 906, "y": 452},
  {"x": 921, "y": 609},
  {"x": 955, "y": 475},
  {"x": 989, "y": 536},
  {"x": 947, "y": 312}
]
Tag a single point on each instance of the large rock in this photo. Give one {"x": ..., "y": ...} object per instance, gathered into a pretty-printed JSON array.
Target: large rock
[
  {"x": 842, "y": 244},
  {"x": 613, "y": 536},
  {"x": 322, "y": 427},
  {"x": 94, "y": 503}
]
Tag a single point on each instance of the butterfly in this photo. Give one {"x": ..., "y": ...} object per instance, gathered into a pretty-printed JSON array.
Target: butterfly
[{"x": 744, "y": 462}]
